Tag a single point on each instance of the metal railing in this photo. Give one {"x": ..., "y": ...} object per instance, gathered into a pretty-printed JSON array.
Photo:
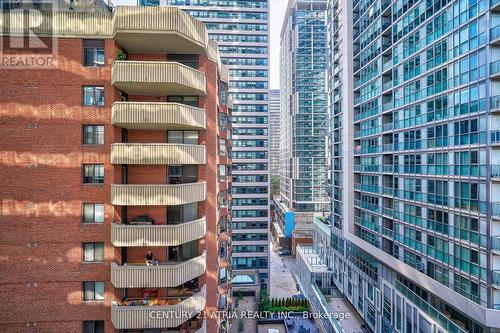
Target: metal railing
[{"x": 432, "y": 312}]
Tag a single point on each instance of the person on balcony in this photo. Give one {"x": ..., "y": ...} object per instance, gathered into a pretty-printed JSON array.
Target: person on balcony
[
  {"x": 150, "y": 258},
  {"x": 146, "y": 297}
]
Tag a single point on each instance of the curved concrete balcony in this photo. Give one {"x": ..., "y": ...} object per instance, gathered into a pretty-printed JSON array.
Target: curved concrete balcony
[
  {"x": 157, "y": 195},
  {"x": 157, "y": 153},
  {"x": 157, "y": 316},
  {"x": 157, "y": 116},
  {"x": 157, "y": 78},
  {"x": 159, "y": 276},
  {"x": 158, "y": 30},
  {"x": 157, "y": 235}
]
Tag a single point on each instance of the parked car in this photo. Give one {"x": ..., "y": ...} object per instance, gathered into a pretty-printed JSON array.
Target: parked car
[{"x": 285, "y": 253}]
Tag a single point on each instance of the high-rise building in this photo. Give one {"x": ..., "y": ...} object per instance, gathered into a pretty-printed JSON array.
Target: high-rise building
[
  {"x": 241, "y": 28},
  {"x": 114, "y": 172},
  {"x": 304, "y": 120},
  {"x": 415, "y": 225},
  {"x": 274, "y": 131}
]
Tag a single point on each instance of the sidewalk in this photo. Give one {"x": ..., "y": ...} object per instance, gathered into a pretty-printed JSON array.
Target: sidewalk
[{"x": 282, "y": 282}]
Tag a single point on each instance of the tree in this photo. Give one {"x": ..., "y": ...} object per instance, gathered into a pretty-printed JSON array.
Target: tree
[
  {"x": 265, "y": 302},
  {"x": 241, "y": 326},
  {"x": 275, "y": 185}
]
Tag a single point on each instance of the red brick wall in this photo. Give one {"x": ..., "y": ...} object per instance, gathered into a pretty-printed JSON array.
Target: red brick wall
[
  {"x": 157, "y": 213},
  {"x": 41, "y": 271},
  {"x": 300, "y": 241}
]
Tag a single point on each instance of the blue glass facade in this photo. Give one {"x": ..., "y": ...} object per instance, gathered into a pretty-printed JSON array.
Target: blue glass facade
[
  {"x": 421, "y": 138},
  {"x": 413, "y": 120},
  {"x": 303, "y": 168}
]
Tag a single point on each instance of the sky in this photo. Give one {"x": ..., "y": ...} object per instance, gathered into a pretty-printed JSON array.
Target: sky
[{"x": 277, "y": 12}]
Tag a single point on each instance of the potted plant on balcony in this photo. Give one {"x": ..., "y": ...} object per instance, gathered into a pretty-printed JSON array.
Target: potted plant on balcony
[{"x": 121, "y": 55}]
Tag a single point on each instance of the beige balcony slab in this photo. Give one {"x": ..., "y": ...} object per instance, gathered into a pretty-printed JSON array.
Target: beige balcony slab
[
  {"x": 157, "y": 195},
  {"x": 157, "y": 78},
  {"x": 157, "y": 153},
  {"x": 157, "y": 116},
  {"x": 158, "y": 276},
  {"x": 158, "y": 30},
  {"x": 157, "y": 235},
  {"x": 157, "y": 316}
]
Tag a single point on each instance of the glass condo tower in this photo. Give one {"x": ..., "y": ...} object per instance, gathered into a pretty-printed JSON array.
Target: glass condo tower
[
  {"x": 303, "y": 121},
  {"x": 414, "y": 230}
]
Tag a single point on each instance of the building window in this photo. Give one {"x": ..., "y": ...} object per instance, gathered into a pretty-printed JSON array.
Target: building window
[
  {"x": 223, "y": 225},
  {"x": 93, "y": 291},
  {"x": 93, "y": 326},
  {"x": 93, "y": 252},
  {"x": 222, "y": 172},
  {"x": 93, "y": 134},
  {"x": 93, "y": 173},
  {"x": 188, "y": 100},
  {"x": 93, "y": 96},
  {"x": 222, "y": 201},
  {"x": 223, "y": 275},
  {"x": 223, "y": 121},
  {"x": 222, "y": 147},
  {"x": 93, "y": 53},
  {"x": 222, "y": 302},
  {"x": 93, "y": 213},
  {"x": 223, "y": 251},
  {"x": 190, "y": 60},
  {"x": 182, "y": 213},
  {"x": 183, "y": 137},
  {"x": 182, "y": 174}
]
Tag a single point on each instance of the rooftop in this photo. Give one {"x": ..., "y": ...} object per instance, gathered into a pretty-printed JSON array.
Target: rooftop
[
  {"x": 342, "y": 306},
  {"x": 271, "y": 328}
]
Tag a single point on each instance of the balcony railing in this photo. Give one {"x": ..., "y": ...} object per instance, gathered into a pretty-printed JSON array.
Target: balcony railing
[
  {"x": 495, "y": 102},
  {"x": 157, "y": 195},
  {"x": 158, "y": 30},
  {"x": 322, "y": 305},
  {"x": 494, "y": 33},
  {"x": 495, "y": 209},
  {"x": 157, "y": 78},
  {"x": 157, "y": 153},
  {"x": 495, "y": 67},
  {"x": 432, "y": 312},
  {"x": 157, "y": 276},
  {"x": 495, "y": 243},
  {"x": 160, "y": 116},
  {"x": 496, "y": 278},
  {"x": 157, "y": 235},
  {"x": 157, "y": 316},
  {"x": 74, "y": 24},
  {"x": 495, "y": 137},
  {"x": 495, "y": 171}
]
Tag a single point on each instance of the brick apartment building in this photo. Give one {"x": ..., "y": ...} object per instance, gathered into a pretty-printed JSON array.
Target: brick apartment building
[{"x": 120, "y": 149}]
